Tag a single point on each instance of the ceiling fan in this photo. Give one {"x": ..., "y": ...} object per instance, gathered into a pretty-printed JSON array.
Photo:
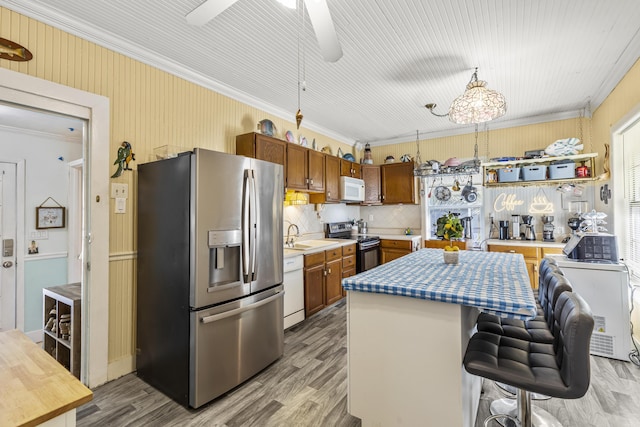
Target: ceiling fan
[{"x": 318, "y": 14}]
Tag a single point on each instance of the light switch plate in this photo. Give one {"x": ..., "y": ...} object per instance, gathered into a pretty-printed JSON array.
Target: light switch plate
[{"x": 119, "y": 191}]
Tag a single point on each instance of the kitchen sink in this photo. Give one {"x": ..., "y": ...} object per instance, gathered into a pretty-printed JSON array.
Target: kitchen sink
[{"x": 310, "y": 244}]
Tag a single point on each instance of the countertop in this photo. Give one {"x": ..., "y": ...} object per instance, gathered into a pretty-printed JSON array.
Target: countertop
[
  {"x": 517, "y": 242},
  {"x": 35, "y": 388},
  {"x": 494, "y": 282},
  {"x": 335, "y": 243}
]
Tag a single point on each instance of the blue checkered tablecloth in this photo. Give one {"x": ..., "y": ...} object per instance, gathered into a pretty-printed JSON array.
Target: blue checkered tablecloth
[{"x": 494, "y": 282}]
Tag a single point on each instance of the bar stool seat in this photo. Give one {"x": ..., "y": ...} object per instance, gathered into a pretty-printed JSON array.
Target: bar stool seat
[{"x": 560, "y": 369}]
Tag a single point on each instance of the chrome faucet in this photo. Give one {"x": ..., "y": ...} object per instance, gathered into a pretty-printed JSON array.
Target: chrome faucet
[{"x": 289, "y": 242}]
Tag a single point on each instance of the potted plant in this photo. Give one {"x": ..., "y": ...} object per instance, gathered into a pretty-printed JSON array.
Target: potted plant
[{"x": 452, "y": 229}]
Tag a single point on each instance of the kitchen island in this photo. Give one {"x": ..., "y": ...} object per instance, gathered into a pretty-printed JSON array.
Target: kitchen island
[
  {"x": 35, "y": 389},
  {"x": 408, "y": 324}
]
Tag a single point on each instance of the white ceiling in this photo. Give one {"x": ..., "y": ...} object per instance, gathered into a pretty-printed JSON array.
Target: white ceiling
[
  {"x": 43, "y": 123},
  {"x": 551, "y": 59}
]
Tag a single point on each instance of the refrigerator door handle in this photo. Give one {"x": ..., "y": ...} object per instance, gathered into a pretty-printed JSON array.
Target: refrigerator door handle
[
  {"x": 255, "y": 226},
  {"x": 245, "y": 227},
  {"x": 220, "y": 316}
]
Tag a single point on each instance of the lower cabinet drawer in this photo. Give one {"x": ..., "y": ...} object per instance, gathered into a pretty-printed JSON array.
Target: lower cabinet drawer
[
  {"x": 349, "y": 262},
  {"x": 526, "y": 251},
  {"x": 396, "y": 244}
]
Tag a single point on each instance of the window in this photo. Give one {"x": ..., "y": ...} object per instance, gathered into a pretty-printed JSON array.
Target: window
[{"x": 631, "y": 152}]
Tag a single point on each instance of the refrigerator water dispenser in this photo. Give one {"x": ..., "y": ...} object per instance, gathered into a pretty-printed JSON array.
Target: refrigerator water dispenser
[{"x": 225, "y": 260}]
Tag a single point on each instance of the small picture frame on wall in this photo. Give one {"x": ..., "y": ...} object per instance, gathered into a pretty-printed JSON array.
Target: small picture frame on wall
[{"x": 50, "y": 217}]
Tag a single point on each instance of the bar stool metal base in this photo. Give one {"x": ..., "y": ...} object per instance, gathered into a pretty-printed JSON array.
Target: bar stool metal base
[
  {"x": 510, "y": 392},
  {"x": 539, "y": 417}
]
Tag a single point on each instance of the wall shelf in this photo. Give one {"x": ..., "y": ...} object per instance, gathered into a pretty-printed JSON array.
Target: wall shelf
[{"x": 588, "y": 157}]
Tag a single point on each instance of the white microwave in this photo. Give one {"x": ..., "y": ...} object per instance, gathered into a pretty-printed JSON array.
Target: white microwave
[{"x": 351, "y": 189}]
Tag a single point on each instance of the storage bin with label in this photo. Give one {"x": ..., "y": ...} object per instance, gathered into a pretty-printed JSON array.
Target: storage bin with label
[
  {"x": 562, "y": 169},
  {"x": 534, "y": 172},
  {"x": 508, "y": 174}
]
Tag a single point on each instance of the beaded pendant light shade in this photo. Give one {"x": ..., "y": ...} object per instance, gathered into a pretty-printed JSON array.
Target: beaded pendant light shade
[{"x": 477, "y": 104}]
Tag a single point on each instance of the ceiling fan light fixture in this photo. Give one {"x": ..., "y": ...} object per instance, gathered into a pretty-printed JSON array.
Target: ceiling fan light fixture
[{"x": 477, "y": 104}]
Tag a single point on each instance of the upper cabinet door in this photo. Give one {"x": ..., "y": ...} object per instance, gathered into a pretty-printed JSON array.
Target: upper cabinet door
[
  {"x": 332, "y": 179},
  {"x": 348, "y": 168},
  {"x": 398, "y": 183},
  {"x": 316, "y": 170},
  {"x": 297, "y": 167},
  {"x": 371, "y": 177}
]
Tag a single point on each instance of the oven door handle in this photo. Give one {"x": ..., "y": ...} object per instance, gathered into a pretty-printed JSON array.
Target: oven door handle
[{"x": 220, "y": 316}]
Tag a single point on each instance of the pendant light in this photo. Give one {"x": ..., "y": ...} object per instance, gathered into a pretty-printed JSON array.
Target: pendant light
[{"x": 477, "y": 104}]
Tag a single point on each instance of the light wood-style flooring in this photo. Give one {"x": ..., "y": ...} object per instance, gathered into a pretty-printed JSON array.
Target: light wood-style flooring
[{"x": 308, "y": 387}]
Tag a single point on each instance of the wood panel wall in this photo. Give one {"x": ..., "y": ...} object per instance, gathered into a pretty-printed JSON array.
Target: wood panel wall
[{"x": 149, "y": 108}]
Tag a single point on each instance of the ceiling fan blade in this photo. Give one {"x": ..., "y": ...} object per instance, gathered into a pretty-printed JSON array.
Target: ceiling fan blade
[
  {"x": 324, "y": 28},
  {"x": 207, "y": 11}
]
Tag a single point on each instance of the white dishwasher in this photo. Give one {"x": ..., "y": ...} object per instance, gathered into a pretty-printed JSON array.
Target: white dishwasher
[{"x": 293, "y": 290}]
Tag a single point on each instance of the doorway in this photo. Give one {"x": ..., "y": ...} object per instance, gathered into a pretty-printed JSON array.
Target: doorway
[
  {"x": 8, "y": 233},
  {"x": 29, "y": 92}
]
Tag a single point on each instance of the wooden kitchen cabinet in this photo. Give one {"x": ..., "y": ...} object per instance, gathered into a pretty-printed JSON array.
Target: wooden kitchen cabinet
[
  {"x": 322, "y": 280},
  {"x": 391, "y": 249},
  {"x": 531, "y": 258},
  {"x": 331, "y": 182},
  {"x": 348, "y": 263},
  {"x": 333, "y": 277},
  {"x": 349, "y": 168},
  {"x": 398, "y": 184},
  {"x": 305, "y": 169},
  {"x": 371, "y": 177},
  {"x": 440, "y": 244},
  {"x": 262, "y": 147},
  {"x": 313, "y": 283}
]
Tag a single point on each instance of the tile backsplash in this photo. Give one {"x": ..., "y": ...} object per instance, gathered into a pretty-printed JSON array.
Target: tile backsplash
[{"x": 311, "y": 219}]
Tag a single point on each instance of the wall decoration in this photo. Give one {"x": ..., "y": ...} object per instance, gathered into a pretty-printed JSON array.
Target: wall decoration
[
  {"x": 506, "y": 202},
  {"x": 125, "y": 155},
  {"x": 13, "y": 51},
  {"x": 50, "y": 216}
]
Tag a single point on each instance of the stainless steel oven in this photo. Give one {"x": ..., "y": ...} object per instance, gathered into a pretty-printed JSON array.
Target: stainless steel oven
[
  {"x": 367, "y": 253},
  {"x": 367, "y": 246}
]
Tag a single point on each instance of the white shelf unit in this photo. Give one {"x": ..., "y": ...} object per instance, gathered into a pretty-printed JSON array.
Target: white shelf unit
[{"x": 66, "y": 299}]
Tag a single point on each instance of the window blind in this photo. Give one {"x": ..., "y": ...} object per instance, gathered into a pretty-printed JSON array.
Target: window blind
[{"x": 632, "y": 202}]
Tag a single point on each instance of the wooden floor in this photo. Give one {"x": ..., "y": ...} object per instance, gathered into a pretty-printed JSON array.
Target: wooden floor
[{"x": 308, "y": 387}]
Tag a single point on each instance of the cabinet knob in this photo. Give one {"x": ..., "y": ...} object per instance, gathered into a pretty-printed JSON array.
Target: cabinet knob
[
  {"x": 311, "y": 182},
  {"x": 329, "y": 271},
  {"x": 328, "y": 193}
]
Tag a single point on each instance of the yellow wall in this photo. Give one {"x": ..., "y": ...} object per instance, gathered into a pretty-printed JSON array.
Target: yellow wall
[
  {"x": 492, "y": 143},
  {"x": 151, "y": 108}
]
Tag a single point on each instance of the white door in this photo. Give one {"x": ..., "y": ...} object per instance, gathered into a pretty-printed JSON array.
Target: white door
[
  {"x": 76, "y": 229},
  {"x": 8, "y": 246}
]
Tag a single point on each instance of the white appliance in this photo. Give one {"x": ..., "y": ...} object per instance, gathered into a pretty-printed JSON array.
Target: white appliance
[
  {"x": 605, "y": 287},
  {"x": 351, "y": 189},
  {"x": 293, "y": 290}
]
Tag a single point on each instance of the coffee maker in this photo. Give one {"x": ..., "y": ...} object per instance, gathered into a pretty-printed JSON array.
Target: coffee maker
[
  {"x": 529, "y": 231},
  {"x": 547, "y": 228},
  {"x": 504, "y": 230},
  {"x": 515, "y": 226}
]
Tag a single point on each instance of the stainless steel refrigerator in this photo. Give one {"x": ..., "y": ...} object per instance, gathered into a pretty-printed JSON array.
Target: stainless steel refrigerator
[{"x": 209, "y": 283}]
